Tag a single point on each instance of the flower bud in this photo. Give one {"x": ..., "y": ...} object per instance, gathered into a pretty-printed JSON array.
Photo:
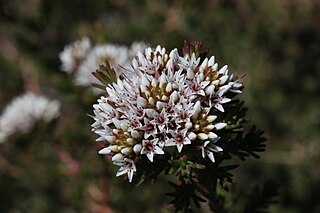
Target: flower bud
[
  {"x": 143, "y": 88},
  {"x": 188, "y": 125},
  {"x": 110, "y": 139},
  {"x": 137, "y": 148},
  {"x": 160, "y": 61},
  {"x": 126, "y": 150},
  {"x": 223, "y": 79},
  {"x": 219, "y": 126},
  {"x": 211, "y": 118},
  {"x": 211, "y": 61},
  {"x": 201, "y": 77},
  {"x": 215, "y": 82},
  {"x": 130, "y": 141},
  {"x": 196, "y": 127},
  {"x": 123, "y": 126},
  {"x": 105, "y": 151},
  {"x": 197, "y": 109},
  {"x": 154, "y": 82},
  {"x": 164, "y": 98},
  {"x": 192, "y": 136},
  {"x": 160, "y": 105},
  {"x": 162, "y": 79},
  {"x": 204, "y": 64},
  {"x": 212, "y": 135},
  {"x": 135, "y": 134},
  {"x": 202, "y": 136},
  {"x": 151, "y": 101},
  {"x": 169, "y": 87},
  {"x": 113, "y": 148},
  {"x": 210, "y": 127},
  {"x": 143, "y": 102},
  {"x": 165, "y": 57},
  {"x": 215, "y": 66},
  {"x": 117, "y": 157},
  {"x": 210, "y": 90},
  {"x": 174, "y": 96},
  {"x": 223, "y": 69},
  {"x": 190, "y": 74}
]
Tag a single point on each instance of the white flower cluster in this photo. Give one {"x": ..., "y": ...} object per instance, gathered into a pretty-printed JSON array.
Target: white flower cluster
[
  {"x": 24, "y": 111},
  {"x": 73, "y": 54},
  {"x": 114, "y": 54},
  {"x": 81, "y": 58},
  {"x": 163, "y": 100}
]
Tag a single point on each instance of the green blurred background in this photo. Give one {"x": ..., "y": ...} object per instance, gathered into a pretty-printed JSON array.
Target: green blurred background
[{"x": 275, "y": 44}]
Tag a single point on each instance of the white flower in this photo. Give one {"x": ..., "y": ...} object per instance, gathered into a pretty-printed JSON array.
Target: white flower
[
  {"x": 179, "y": 139},
  {"x": 209, "y": 148},
  {"x": 163, "y": 100},
  {"x": 184, "y": 110},
  {"x": 137, "y": 46},
  {"x": 127, "y": 166},
  {"x": 149, "y": 147},
  {"x": 149, "y": 128},
  {"x": 160, "y": 119},
  {"x": 114, "y": 54},
  {"x": 24, "y": 111},
  {"x": 73, "y": 54}
]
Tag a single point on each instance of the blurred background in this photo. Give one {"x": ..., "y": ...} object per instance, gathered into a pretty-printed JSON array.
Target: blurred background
[{"x": 56, "y": 168}]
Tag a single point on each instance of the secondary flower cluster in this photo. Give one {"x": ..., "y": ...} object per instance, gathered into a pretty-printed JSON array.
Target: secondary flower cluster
[
  {"x": 163, "y": 100},
  {"x": 81, "y": 58},
  {"x": 24, "y": 111}
]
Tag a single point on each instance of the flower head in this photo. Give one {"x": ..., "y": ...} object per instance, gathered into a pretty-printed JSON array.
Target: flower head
[
  {"x": 24, "y": 111},
  {"x": 114, "y": 54},
  {"x": 162, "y": 100},
  {"x": 73, "y": 54}
]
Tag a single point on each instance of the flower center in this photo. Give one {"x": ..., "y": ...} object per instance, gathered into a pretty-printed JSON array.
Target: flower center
[
  {"x": 139, "y": 112},
  {"x": 170, "y": 109},
  {"x": 149, "y": 146},
  {"x": 134, "y": 123},
  {"x": 161, "y": 136},
  {"x": 160, "y": 120},
  {"x": 172, "y": 124},
  {"x": 179, "y": 138},
  {"x": 183, "y": 115},
  {"x": 150, "y": 127},
  {"x": 196, "y": 87}
]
